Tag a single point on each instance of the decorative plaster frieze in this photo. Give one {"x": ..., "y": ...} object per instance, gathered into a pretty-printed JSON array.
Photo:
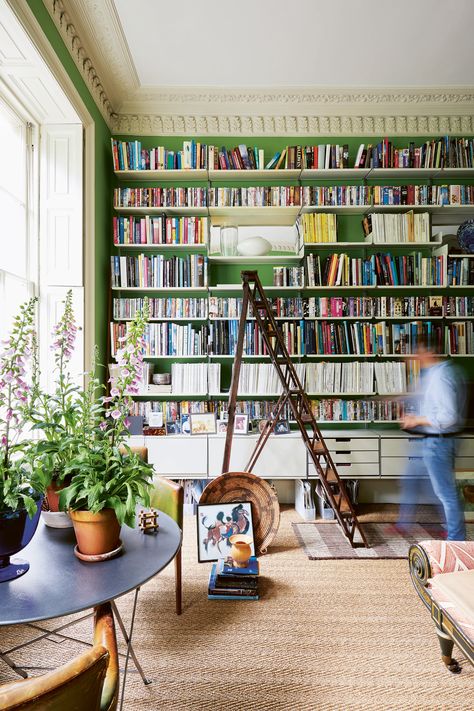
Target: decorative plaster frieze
[{"x": 265, "y": 125}]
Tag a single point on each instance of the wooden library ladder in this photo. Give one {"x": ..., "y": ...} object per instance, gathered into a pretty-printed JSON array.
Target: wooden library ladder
[{"x": 295, "y": 396}]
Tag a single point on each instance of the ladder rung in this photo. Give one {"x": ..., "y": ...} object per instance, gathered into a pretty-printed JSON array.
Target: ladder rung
[
  {"x": 331, "y": 475},
  {"x": 305, "y": 417},
  {"x": 318, "y": 448}
]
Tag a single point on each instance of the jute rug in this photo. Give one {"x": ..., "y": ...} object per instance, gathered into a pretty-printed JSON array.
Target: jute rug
[
  {"x": 326, "y": 635},
  {"x": 323, "y": 540}
]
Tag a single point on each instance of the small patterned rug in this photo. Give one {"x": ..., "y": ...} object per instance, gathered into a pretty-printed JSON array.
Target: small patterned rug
[{"x": 326, "y": 540}]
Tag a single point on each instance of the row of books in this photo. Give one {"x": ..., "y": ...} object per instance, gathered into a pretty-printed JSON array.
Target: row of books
[
  {"x": 324, "y": 409},
  {"x": 130, "y": 155},
  {"x": 333, "y": 377},
  {"x": 461, "y": 338},
  {"x": 160, "y": 197},
  {"x": 319, "y": 227},
  {"x": 460, "y": 271},
  {"x": 445, "y": 152},
  {"x": 195, "y": 377},
  {"x": 381, "y": 269},
  {"x": 394, "y": 377},
  {"x": 168, "y": 308},
  {"x": 288, "y": 276},
  {"x": 423, "y": 195},
  {"x": 262, "y": 378},
  {"x": 406, "y": 227},
  {"x": 297, "y": 307},
  {"x": 160, "y": 230},
  {"x": 295, "y": 196},
  {"x": 166, "y": 339},
  {"x": 229, "y": 582},
  {"x": 157, "y": 271}
]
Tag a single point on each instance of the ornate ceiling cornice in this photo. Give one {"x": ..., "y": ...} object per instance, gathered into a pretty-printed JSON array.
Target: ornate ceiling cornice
[{"x": 104, "y": 61}]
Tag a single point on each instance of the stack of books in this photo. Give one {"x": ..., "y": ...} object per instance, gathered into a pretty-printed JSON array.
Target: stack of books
[{"x": 227, "y": 582}]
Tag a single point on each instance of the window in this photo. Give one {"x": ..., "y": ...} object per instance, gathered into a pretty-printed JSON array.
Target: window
[{"x": 18, "y": 244}]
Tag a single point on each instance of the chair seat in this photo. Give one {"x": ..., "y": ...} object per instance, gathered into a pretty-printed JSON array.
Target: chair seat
[{"x": 454, "y": 592}]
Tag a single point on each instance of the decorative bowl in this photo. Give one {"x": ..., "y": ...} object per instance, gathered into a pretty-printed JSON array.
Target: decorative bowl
[{"x": 254, "y": 247}]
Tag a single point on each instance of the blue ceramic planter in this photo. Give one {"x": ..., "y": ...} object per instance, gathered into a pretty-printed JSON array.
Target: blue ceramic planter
[{"x": 16, "y": 531}]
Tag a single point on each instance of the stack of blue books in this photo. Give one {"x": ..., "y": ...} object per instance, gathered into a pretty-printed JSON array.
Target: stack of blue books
[{"x": 228, "y": 582}]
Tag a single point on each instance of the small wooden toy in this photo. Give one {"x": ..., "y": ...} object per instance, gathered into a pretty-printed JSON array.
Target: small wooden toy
[{"x": 148, "y": 520}]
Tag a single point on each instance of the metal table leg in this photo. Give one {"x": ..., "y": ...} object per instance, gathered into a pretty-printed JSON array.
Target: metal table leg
[{"x": 130, "y": 650}]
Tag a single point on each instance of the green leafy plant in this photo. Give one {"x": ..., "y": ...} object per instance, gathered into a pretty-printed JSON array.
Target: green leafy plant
[
  {"x": 19, "y": 480},
  {"x": 105, "y": 473}
]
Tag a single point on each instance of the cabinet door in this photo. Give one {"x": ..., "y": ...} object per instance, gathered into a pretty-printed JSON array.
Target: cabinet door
[
  {"x": 349, "y": 470},
  {"x": 283, "y": 457},
  {"x": 400, "y": 446},
  {"x": 180, "y": 455}
]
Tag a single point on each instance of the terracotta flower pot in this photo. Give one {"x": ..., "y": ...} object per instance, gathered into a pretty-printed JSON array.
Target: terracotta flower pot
[
  {"x": 52, "y": 493},
  {"x": 240, "y": 551},
  {"x": 96, "y": 533}
]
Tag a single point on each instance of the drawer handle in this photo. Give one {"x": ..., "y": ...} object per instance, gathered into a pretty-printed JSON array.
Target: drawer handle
[
  {"x": 343, "y": 439},
  {"x": 342, "y": 451},
  {"x": 412, "y": 459},
  {"x": 343, "y": 464}
]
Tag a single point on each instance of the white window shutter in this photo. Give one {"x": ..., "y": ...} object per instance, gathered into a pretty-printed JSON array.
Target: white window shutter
[{"x": 61, "y": 241}]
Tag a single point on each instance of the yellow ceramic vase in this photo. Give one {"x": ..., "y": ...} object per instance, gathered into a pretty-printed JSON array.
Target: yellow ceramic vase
[{"x": 241, "y": 550}]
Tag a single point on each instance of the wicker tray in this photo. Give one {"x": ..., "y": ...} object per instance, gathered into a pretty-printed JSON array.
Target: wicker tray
[{"x": 243, "y": 486}]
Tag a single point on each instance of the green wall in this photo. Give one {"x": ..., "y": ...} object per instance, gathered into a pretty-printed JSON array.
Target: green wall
[{"x": 103, "y": 174}]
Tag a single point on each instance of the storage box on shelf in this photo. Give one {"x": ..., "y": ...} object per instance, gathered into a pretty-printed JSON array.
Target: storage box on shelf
[{"x": 364, "y": 453}]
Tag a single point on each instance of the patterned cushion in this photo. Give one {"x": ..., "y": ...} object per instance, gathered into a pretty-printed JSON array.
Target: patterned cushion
[
  {"x": 449, "y": 556},
  {"x": 453, "y": 592}
]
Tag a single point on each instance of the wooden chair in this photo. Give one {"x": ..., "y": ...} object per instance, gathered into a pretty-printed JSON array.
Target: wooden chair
[
  {"x": 168, "y": 497},
  {"x": 90, "y": 682}
]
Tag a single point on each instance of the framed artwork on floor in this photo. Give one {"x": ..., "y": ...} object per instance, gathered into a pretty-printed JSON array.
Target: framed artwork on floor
[{"x": 216, "y": 523}]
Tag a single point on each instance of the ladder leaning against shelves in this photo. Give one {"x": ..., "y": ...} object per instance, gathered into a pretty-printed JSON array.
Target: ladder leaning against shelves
[{"x": 293, "y": 394}]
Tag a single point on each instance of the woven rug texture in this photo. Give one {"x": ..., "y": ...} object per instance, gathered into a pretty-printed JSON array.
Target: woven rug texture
[
  {"x": 326, "y": 635},
  {"x": 323, "y": 540}
]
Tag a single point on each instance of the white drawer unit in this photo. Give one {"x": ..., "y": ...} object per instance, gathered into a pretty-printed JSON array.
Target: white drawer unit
[
  {"x": 283, "y": 457},
  {"x": 465, "y": 447},
  {"x": 396, "y": 467},
  {"x": 352, "y": 444},
  {"x": 355, "y": 457},
  {"x": 182, "y": 456},
  {"x": 349, "y": 470},
  {"x": 400, "y": 446}
]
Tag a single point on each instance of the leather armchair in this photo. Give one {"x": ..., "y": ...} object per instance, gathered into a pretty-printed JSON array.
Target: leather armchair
[
  {"x": 89, "y": 682},
  {"x": 168, "y": 497}
]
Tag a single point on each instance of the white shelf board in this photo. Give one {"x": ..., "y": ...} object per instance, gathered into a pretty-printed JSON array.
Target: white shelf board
[
  {"x": 459, "y": 318},
  {"x": 163, "y": 289},
  {"x": 239, "y": 288},
  {"x": 335, "y": 246},
  {"x": 186, "y": 211},
  {"x": 397, "y": 173},
  {"x": 167, "y": 319},
  {"x": 334, "y": 173},
  {"x": 254, "y": 215},
  {"x": 339, "y": 355},
  {"x": 175, "y": 357},
  {"x": 340, "y": 209},
  {"x": 339, "y": 395},
  {"x": 165, "y": 247},
  {"x": 163, "y": 176},
  {"x": 267, "y": 259},
  {"x": 248, "y": 357},
  {"x": 249, "y": 175}
]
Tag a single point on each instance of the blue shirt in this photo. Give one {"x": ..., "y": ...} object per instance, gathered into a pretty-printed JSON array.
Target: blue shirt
[{"x": 443, "y": 398}]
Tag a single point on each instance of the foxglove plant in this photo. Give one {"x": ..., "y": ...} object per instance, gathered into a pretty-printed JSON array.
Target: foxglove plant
[
  {"x": 105, "y": 473},
  {"x": 18, "y": 480}
]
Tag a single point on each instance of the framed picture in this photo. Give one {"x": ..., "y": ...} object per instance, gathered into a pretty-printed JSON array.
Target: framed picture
[
  {"x": 261, "y": 425},
  {"x": 185, "y": 424},
  {"x": 282, "y": 427},
  {"x": 173, "y": 427},
  {"x": 202, "y": 423},
  {"x": 241, "y": 424},
  {"x": 222, "y": 425},
  {"x": 216, "y": 523}
]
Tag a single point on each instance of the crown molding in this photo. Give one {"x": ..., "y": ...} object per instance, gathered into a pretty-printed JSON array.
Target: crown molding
[{"x": 94, "y": 37}]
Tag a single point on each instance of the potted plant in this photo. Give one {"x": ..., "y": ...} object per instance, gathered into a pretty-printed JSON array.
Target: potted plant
[
  {"x": 21, "y": 486},
  {"x": 56, "y": 415},
  {"x": 108, "y": 480}
]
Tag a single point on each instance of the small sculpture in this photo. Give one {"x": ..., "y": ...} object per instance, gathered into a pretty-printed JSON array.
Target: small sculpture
[{"x": 148, "y": 520}]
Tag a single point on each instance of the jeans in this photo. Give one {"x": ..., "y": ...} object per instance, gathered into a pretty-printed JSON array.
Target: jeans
[{"x": 438, "y": 458}]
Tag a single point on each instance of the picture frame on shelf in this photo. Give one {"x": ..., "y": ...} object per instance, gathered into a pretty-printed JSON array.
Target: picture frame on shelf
[
  {"x": 202, "y": 423},
  {"x": 173, "y": 427},
  {"x": 216, "y": 523},
  {"x": 282, "y": 427},
  {"x": 261, "y": 425},
  {"x": 185, "y": 424},
  {"x": 241, "y": 424},
  {"x": 222, "y": 426}
]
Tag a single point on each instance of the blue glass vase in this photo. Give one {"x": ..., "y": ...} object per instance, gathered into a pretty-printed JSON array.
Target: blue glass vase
[{"x": 16, "y": 531}]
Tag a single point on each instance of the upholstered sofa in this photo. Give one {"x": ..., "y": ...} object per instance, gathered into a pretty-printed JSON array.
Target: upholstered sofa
[{"x": 443, "y": 575}]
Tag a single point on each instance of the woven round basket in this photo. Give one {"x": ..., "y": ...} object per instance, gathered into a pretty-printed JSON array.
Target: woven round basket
[{"x": 243, "y": 486}]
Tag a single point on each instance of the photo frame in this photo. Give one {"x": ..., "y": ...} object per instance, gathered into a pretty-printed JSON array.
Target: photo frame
[
  {"x": 216, "y": 523},
  {"x": 173, "y": 427},
  {"x": 202, "y": 423},
  {"x": 282, "y": 427},
  {"x": 241, "y": 424},
  {"x": 222, "y": 426}
]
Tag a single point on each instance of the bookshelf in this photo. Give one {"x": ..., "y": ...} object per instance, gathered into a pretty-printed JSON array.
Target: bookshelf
[{"x": 223, "y": 271}]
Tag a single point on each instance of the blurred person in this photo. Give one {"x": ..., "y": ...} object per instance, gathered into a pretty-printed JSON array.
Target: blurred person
[{"x": 441, "y": 403}]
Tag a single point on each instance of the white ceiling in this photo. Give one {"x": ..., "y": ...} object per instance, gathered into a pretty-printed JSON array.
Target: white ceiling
[{"x": 299, "y": 43}]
